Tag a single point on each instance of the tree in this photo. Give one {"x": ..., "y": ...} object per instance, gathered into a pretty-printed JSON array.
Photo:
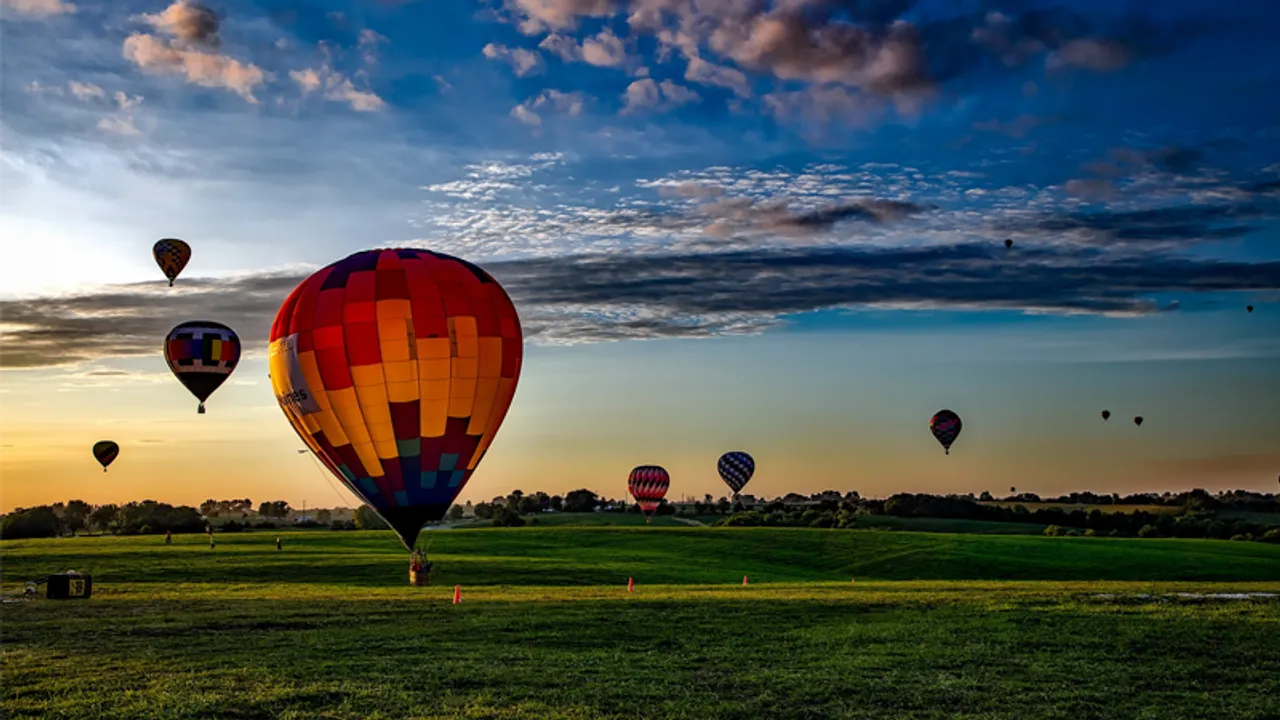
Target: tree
[
  {"x": 103, "y": 517},
  {"x": 324, "y": 516},
  {"x": 580, "y": 501},
  {"x": 455, "y": 512},
  {"x": 76, "y": 515},
  {"x": 504, "y": 516},
  {"x": 37, "y": 522},
  {"x": 557, "y": 503},
  {"x": 275, "y": 509},
  {"x": 367, "y": 519},
  {"x": 484, "y": 511}
]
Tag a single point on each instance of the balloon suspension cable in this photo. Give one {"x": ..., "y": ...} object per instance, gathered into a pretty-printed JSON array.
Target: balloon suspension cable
[
  {"x": 320, "y": 469},
  {"x": 200, "y": 410},
  {"x": 170, "y": 283}
]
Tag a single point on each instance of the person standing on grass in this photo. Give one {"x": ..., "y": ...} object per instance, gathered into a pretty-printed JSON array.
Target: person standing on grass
[
  {"x": 277, "y": 544},
  {"x": 168, "y": 537}
]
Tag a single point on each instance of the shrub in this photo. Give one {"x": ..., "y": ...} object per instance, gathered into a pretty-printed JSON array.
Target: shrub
[{"x": 1149, "y": 531}]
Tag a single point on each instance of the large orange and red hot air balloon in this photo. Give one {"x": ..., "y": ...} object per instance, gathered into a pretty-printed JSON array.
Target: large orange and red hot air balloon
[
  {"x": 396, "y": 368},
  {"x": 105, "y": 452},
  {"x": 648, "y": 485}
]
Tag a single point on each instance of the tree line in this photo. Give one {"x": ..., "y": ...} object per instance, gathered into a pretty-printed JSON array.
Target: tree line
[{"x": 1198, "y": 514}]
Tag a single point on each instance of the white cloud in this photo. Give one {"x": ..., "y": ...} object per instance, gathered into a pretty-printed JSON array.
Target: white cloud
[
  {"x": 39, "y": 8},
  {"x": 336, "y": 88},
  {"x": 206, "y": 69},
  {"x": 524, "y": 62}
]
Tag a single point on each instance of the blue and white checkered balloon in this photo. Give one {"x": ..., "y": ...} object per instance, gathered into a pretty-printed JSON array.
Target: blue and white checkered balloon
[{"x": 736, "y": 468}]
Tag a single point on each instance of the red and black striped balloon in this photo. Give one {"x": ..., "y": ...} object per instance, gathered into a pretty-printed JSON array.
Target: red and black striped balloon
[{"x": 648, "y": 485}]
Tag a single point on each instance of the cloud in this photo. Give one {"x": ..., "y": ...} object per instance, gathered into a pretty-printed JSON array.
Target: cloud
[
  {"x": 336, "y": 87},
  {"x": 1097, "y": 55},
  {"x": 704, "y": 73},
  {"x": 539, "y": 15},
  {"x": 39, "y": 8},
  {"x": 86, "y": 91},
  {"x": 524, "y": 62},
  {"x": 188, "y": 21},
  {"x": 1174, "y": 225},
  {"x": 604, "y": 50},
  {"x": 570, "y": 103},
  {"x": 1091, "y": 189},
  {"x": 646, "y": 94},
  {"x": 205, "y": 69},
  {"x": 368, "y": 44},
  {"x": 585, "y": 298}
]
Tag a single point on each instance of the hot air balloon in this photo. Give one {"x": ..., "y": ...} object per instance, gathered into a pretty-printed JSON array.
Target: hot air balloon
[
  {"x": 105, "y": 451},
  {"x": 202, "y": 354},
  {"x": 1008, "y": 243},
  {"x": 945, "y": 426},
  {"x": 171, "y": 255},
  {"x": 1249, "y": 308},
  {"x": 396, "y": 368},
  {"x": 736, "y": 468},
  {"x": 1138, "y": 421},
  {"x": 1106, "y": 414},
  {"x": 648, "y": 485}
]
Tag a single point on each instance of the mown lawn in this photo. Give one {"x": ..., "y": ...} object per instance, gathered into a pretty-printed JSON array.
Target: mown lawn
[{"x": 1000, "y": 627}]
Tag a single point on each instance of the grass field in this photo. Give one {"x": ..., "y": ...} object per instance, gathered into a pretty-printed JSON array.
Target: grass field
[{"x": 936, "y": 626}]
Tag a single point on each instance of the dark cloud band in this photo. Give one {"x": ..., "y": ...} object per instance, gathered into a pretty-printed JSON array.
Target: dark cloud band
[{"x": 602, "y": 297}]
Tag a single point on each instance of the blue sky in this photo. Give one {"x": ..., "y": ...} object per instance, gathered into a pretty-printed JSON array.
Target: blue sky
[{"x": 728, "y": 190}]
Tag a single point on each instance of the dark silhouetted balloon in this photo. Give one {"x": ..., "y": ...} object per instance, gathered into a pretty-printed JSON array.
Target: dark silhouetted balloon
[
  {"x": 396, "y": 368},
  {"x": 736, "y": 469},
  {"x": 945, "y": 426},
  {"x": 171, "y": 255},
  {"x": 1249, "y": 308},
  {"x": 202, "y": 354},
  {"x": 106, "y": 452},
  {"x": 1008, "y": 243},
  {"x": 1106, "y": 414},
  {"x": 1138, "y": 421},
  {"x": 648, "y": 485}
]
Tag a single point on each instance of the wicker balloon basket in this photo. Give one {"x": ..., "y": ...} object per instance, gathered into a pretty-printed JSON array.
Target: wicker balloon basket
[{"x": 419, "y": 569}]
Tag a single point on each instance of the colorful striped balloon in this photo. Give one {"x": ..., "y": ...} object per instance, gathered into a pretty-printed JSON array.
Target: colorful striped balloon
[
  {"x": 202, "y": 354},
  {"x": 648, "y": 485},
  {"x": 396, "y": 368}
]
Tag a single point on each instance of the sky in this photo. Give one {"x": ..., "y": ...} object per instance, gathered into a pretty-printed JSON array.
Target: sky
[{"x": 776, "y": 227}]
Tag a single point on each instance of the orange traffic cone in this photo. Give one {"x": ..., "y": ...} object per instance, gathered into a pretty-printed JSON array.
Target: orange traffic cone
[
  {"x": 631, "y": 584},
  {"x": 744, "y": 580},
  {"x": 457, "y": 594}
]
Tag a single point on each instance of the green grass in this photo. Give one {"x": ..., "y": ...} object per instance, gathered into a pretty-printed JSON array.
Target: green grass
[
  {"x": 601, "y": 519},
  {"x": 936, "y": 626}
]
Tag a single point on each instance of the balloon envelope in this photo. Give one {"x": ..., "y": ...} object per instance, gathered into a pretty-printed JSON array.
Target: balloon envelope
[
  {"x": 736, "y": 469},
  {"x": 172, "y": 255},
  {"x": 1008, "y": 243},
  {"x": 105, "y": 451},
  {"x": 1106, "y": 414},
  {"x": 396, "y": 368},
  {"x": 1138, "y": 421},
  {"x": 202, "y": 354},
  {"x": 945, "y": 426},
  {"x": 648, "y": 485}
]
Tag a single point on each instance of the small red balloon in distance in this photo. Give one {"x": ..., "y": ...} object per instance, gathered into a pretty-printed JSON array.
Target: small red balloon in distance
[
  {"x": 648, "y": 485},
  {"x": 396, "y": 368}
]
